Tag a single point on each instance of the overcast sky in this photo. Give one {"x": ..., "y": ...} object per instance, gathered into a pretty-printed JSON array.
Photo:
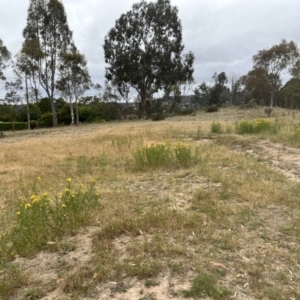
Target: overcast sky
[{"x": 223, "y": 34}]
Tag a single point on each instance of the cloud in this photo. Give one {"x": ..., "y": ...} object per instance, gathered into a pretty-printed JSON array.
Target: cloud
[{"x": 223, "y": 34}]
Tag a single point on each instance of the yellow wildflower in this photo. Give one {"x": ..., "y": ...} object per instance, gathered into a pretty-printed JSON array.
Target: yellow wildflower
[
  {"x": 63, "y": 205},
  {"x": 69, "y": 180},
  {"x": 67, "y": 191},
  {"x": 27, "y": 205}
]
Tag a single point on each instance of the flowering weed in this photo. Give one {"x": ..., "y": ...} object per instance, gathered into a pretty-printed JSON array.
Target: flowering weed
[
  {"x": 163, "y": 155},
  {"x": 261, "y": 125},
  {"x": 183, "y": 154},
  {"x": 42, "y": 218}
]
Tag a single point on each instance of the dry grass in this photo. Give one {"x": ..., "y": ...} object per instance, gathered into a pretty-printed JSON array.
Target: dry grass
[{"x": 227, "y": 225}]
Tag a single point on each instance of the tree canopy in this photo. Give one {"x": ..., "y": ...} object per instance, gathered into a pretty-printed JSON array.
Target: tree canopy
[
  {"x": 144, "y": 49},
  {"x": 274, "y": 61},
  {"x": 74, "y": 78},
  {"x": 46, "y": 35},
  {"x": 4, "y": 58}
]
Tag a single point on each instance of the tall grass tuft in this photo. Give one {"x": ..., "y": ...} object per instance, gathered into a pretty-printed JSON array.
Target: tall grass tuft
[
  {"x": 163, "y": 155},
  {"x": 216, "y": 127},
  {"x": 261, "y": 125}
]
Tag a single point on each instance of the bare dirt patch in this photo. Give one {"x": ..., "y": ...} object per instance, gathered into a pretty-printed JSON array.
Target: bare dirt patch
[{"x": 279, "y": 157}]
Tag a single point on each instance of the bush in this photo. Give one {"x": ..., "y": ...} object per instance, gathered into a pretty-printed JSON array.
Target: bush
[
  {"x": 251, "y": 104},
  {"x": 212, "y": 108},
  {"x": 46, "y": 120},
  {"x": 268, "y": 111},
  {"x": 33, "y": 124},
  {"x": 158, "y": 116},
  {"x": 7, "y": 126},
  {"x": 187, "y": 111}
]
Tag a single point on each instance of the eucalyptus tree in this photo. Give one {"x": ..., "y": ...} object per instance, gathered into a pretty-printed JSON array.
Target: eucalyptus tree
[
  {"x": 274, "y": 61},
  {"x": 144, "y": 49},
  {"x": 4, "y": 59},
  {"x": 47, "y": 35},
  {"x": 74, "y": 78},
  {"x": 13, "y": 96},
  {"x": 295, "y": 69}
]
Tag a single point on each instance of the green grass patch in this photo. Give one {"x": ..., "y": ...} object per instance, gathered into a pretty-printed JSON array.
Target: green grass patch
[
  {"x": 260, "y": 125},
  {"x": 206, "y": 285},
  {"x": 162, "y": 155}
]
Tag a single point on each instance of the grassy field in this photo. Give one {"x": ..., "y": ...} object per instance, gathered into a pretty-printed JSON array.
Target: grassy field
[{"x": 202, "y": 207}]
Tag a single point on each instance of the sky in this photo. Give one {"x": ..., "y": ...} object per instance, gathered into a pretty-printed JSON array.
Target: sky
[{"x": 223, "y": 34}]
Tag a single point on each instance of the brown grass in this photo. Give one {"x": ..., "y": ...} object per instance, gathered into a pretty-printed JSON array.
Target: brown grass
[{"x": 230, "y": 221}]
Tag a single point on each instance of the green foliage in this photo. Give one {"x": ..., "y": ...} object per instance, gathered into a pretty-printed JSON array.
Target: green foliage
[
  {"x": 46, "y": 120},
  {"x": 273, "y": 61},
  {"x": 187, "y": 111},
  {"x": 206, "y": 285},
  {"x": 64, "y": 114},
  {"x": 153, "y": 156},
  {"x": 4, "y": 58},
  {"x": 183, "y": 154},
  {"x": 45, "y": 105},
  {"x": 216, "y": 127},
  {"x": 163, "y": 155},
  {"x": 46, "y": 37},
  {"x": 259, "y": 126},
  {"x": 147, "y": 56},
  {"x": 43, "y": 219},
  {"x": 12, "y": 278},
  {"x": 7, "y": 126},
  {"x": 212, "y": 108},
  {"x": 158, "y": 116}
]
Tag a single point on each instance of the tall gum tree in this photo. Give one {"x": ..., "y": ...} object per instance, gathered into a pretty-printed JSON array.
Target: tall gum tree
[
  {"x": 144, "y": 50},
  {"x": 274, "y": 61},
  {"x": 74, "y": 79},
  {"x": 47, "y": 35},
  {"x": 4, "y": 59}
]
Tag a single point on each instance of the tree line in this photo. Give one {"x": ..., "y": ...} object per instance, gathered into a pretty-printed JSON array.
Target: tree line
[{"x": 144, "y": 58}]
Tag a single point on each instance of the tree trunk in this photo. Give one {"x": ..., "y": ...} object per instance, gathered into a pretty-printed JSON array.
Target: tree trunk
[
  {"x": 27, "y": 104},
  {"x": 272, "y": 99},
  {"x": 55, "y": 121},
  {"x": 77, "y": 113},
  {"x": 143, "y": 95},
  {"x": 72, "y": 113}
]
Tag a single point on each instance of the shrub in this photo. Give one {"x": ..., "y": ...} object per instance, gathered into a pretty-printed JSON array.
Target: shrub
[
  {"x": 251, "y": 104},
  {"x": 33, "y": 124},
  {"x": 187, "y": 111},
  {"x": 212, "y": 108},
  {"x": 6, "y": 126},
  {"x": 46, "y": 119},
  {"x": 158, "y": 116},
  {"x": 268, "y": 111}
]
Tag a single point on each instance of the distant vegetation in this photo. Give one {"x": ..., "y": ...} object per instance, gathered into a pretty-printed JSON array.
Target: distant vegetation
[{"x": 147, "y": 74}]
